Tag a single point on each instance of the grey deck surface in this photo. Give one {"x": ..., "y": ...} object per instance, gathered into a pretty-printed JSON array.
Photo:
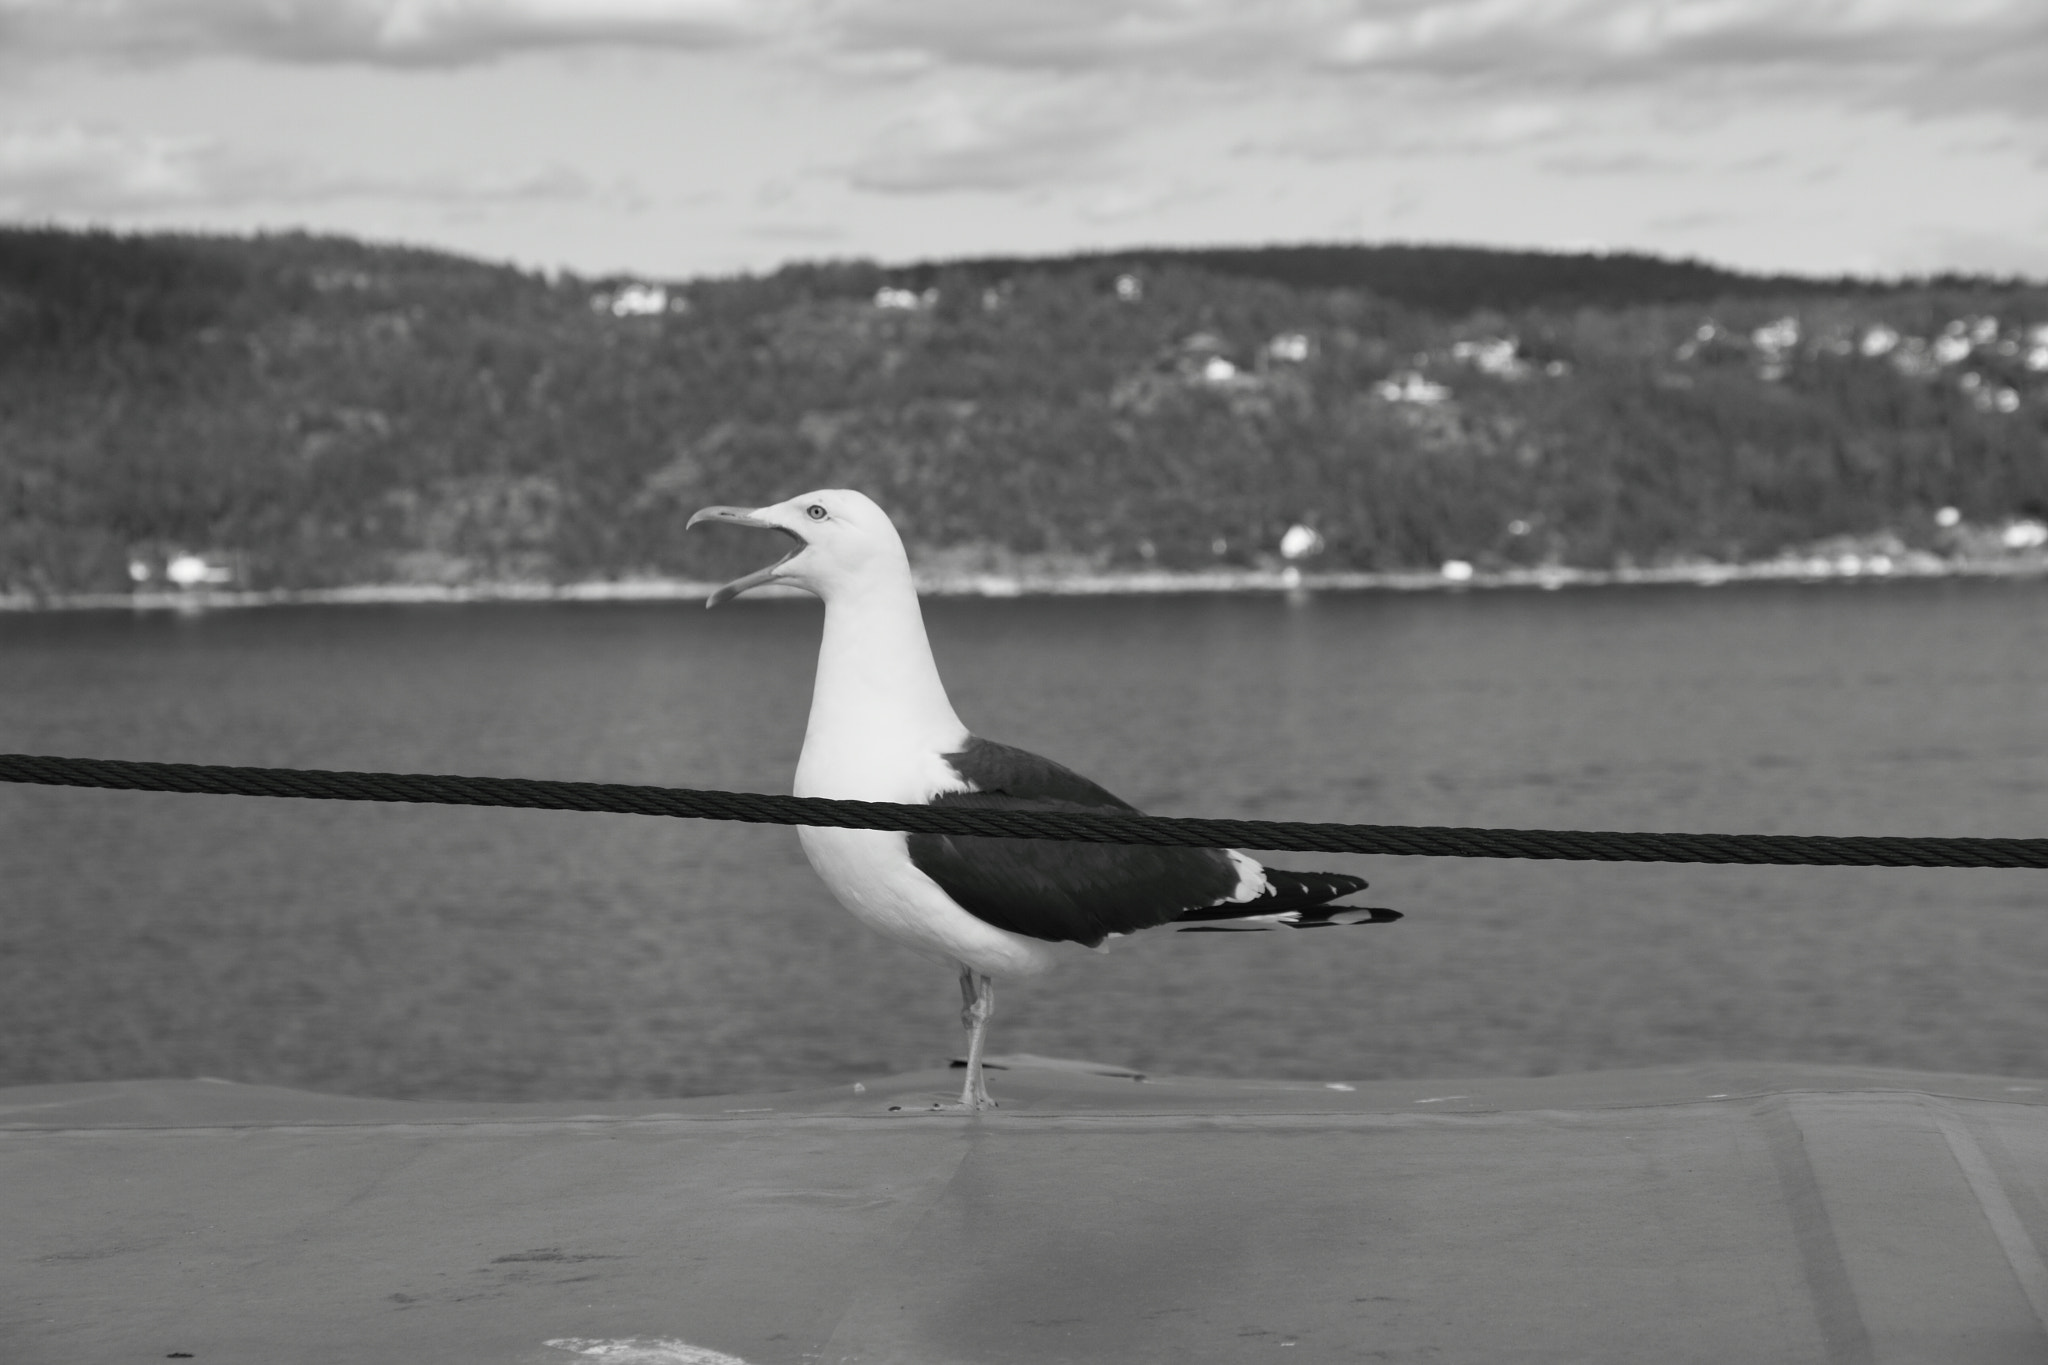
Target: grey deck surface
[{"x": 1713, "y": 1213}]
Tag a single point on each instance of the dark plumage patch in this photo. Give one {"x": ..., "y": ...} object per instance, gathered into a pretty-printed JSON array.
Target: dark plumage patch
[
  {"x": 1057, "y": 890},
  {"x": 1082, "y": 893}
]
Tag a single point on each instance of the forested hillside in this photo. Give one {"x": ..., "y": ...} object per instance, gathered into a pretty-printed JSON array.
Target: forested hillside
[{"x": 305, "y": 412}]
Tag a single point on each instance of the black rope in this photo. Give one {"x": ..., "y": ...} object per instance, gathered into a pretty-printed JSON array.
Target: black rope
[{"x": 1433, "y": 841}]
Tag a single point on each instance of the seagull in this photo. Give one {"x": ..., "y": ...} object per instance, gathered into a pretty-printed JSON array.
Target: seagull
[{"x": 882, "y": 729}]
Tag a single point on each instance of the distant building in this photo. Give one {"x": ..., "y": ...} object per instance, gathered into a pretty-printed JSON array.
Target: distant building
[
  {"x": 1492, "y": 355},
  {"x": 2024, "y": 534},
  {"x": 1300, "y": 542},
  {"x": 329, "y": 279},
  {"x": 193, "y": 571},
  {"x": 1130, "y": 288},
  {"x": 1952, "y": 347},
  {"x": 1293, "y": 348},
  {"x": 1776, "y": 336},
  {"x": 890, "y": 297},
  {"x": 1203, "y": 358},
  {"x": 1775, "y": 342},
  {"x": 636, "y": 299},
  {"x": 1411, "y": 387}
]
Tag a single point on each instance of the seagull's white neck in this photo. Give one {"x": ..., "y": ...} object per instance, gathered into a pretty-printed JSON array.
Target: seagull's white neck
[{"x": 878, "y": 709}]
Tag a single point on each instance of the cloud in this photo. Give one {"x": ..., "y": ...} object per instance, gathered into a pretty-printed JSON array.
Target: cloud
[
  {"x": 1426, "y": 128},
  {"x": 798, "y": 231},
  {"x": 1904, "y": 52},
  {"x": 76, "y": 170},
  {"x": 1924, "y": 55},
  {"x": 1893, "y": 51},
  {"x": 1618, "y": 163},
  {"x": 1687, "y": 222},
  {"x": 1078, "y": 35},
  {"x": 1131, "y": 200},
  {"x": 952, "y": 143},
  {"x": 375, "y": 32},
  {"x": 71, "y": 168}
]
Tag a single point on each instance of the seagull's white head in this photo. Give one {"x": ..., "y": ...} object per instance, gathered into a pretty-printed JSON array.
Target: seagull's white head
[{"x": 842, "y": 539}]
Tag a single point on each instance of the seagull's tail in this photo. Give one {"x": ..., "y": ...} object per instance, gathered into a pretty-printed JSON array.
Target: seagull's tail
[{"x": 1292, "y": 900}]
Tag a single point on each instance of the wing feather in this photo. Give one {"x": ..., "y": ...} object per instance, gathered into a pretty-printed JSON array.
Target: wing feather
[{"x": 1057, "y": 890}]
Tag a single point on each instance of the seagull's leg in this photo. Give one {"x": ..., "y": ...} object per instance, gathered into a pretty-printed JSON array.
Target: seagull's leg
[
  {"x": 981, "y": 1004},
  {"x": 968, "y": 998}
]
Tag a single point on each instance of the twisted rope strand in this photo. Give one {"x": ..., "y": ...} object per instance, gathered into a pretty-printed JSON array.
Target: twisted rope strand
[{"x": 1430, "y": 841}]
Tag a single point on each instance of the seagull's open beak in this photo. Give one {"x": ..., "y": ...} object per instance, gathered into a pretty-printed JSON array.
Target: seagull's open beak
[{"x": 740, "y": 516}]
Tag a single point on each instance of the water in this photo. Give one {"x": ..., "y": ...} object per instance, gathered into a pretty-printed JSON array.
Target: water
[{"x": 427, "y": 951}]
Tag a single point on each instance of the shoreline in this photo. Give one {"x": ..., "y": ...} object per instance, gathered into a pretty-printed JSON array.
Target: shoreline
[{"x": 1807, "y": 570}]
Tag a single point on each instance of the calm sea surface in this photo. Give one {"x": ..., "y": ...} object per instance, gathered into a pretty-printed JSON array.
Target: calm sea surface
[{"x": 426, "y": 951}]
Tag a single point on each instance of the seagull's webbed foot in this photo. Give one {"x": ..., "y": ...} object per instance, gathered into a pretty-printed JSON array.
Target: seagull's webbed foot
[{"x": 974, "y": 1096}]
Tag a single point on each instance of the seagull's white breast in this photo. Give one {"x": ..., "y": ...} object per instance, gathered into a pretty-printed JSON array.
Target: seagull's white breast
[{"x": 870, "y": 872}]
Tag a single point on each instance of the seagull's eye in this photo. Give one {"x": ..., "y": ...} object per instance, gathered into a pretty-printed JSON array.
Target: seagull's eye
[{"x": 816, "y": 511}]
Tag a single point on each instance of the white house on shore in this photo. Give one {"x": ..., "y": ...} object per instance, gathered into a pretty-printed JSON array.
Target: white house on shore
[
  {"x": 638, "y": 299},
  {"x": 182, "y": 570},
  {"x": 1410, "y": 386}
]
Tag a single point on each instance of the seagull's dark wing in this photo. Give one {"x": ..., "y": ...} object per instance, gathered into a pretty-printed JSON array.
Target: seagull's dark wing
[{"x": 1059, "y": 891}]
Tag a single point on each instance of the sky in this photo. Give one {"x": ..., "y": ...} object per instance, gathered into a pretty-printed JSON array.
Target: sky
[{"x": 680, "y": 138}]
